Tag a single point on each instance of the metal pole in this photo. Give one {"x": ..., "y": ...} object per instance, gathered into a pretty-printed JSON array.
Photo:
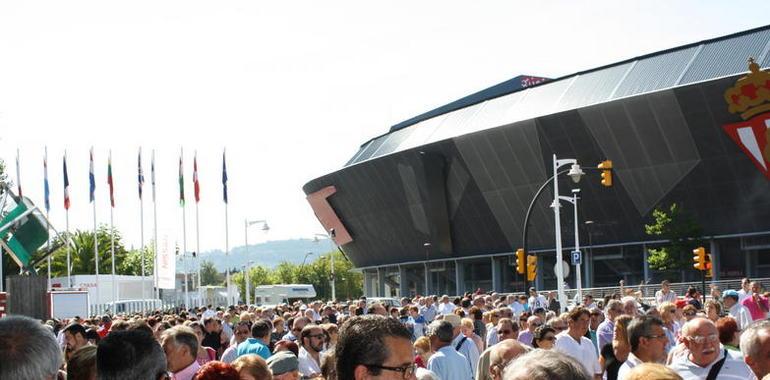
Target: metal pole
[
  {"x": 69, "y": 266},
  {"x": 227, "y": 255},
  {"x": 246, "y": 271},
  {"x": 578, "y": 275},
  {"x": 333, "y": 235},
  {"x": 112, "y": 255},
  {"x": 155, "y": 229},
  {"x": 198, "y": 250},
  {"x": 557, "y": 223}
]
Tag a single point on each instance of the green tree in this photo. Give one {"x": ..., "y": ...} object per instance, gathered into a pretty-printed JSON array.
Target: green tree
[
  {"x": 82, "y": 253},
  {"x": 682, "y": 233},
  {"x": 132, "y": 262},
  {"x": 209, "y": 274}
]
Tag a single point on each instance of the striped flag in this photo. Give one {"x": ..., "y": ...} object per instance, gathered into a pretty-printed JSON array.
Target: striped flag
[
  {"x": 140, "y": 175},
  {"x": 181, "y": 181},
  {"x": 224, "y": 177},
  {"x": 91, "y": 179},
  {"x": 18, "y": 173},
  {"x": 195, "y": 179},
  {"x": 66, "y": 185},
  {"x": 46, "y": 189},
  {"x": 152, "y": 174},
  {"x": 109, "y": 180}
]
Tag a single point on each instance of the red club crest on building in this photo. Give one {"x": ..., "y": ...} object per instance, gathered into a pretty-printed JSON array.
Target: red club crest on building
[{"x": 750, "y": 97}]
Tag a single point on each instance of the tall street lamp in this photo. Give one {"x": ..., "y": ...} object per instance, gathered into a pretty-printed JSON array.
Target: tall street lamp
[
  {"x": 578, "y": 276},
  {"x": 331, "y": 237},
  {"x": 303, "y": 262},
  {"x": 575, "y": 173},
  {"x": 246, "y": 224}
]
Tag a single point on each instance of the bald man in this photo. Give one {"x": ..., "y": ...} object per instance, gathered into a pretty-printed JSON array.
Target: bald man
[
  {"x": 494, "y": 359},
  {"x": 701, "y": 338}
]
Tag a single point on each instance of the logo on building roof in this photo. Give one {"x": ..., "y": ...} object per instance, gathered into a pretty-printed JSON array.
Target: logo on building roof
[{"x": 750, "y": 98}]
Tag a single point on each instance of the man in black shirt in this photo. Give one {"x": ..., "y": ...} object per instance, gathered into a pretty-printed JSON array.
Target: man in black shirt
[{"x": 213, "y": 337}]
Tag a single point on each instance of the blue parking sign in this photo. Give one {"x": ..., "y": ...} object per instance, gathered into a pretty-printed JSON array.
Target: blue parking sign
[{"x": 577, "y": 258}]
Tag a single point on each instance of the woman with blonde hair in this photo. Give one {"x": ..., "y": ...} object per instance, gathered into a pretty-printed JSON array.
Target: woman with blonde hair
[
  {"x": 466, "y": 327},
  {"x": 613, "y": 356},
  {"x": 667, "y": 312}
]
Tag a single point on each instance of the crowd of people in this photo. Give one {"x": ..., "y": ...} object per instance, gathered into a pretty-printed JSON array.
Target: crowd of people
[{"x": 477, "y": 336}]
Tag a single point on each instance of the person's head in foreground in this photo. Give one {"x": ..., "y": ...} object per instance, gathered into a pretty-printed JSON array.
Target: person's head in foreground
[
  {"x": 28, "y": 350},
  {"x": 284, "y": 366},
  {"x": 252, "y": 367},
  {"x": 652, "y": 371},
  {"x": 130, "y": 354},
  {"x": 545, "y": 365},
  {"x": 755, "y": 346},
  {"x": 372, "y": 347}
]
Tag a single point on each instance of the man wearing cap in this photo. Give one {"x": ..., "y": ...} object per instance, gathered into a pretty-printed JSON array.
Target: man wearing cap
[
  {"x": 284, "y": 366},
  {"x": 741, "y": 315},
  {"x": 665, "y": 294},
  {"x": 447, "y": 363},
  {"x": 461, "y": 343}
]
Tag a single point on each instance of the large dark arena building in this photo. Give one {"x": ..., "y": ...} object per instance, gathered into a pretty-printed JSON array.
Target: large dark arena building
[{"x": 437, "y": 204}]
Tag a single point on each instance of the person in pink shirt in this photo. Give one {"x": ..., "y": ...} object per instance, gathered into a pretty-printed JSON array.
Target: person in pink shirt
[{"x": 756, "y": 303}]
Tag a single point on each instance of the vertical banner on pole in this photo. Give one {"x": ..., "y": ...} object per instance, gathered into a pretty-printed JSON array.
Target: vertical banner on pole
[{"x": 166, "y": 264}]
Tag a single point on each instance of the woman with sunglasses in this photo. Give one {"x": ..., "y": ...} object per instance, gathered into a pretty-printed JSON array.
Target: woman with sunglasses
[{"x": 544, "y": 337}]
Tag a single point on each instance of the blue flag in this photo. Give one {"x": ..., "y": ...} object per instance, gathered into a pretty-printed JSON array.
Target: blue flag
[
  {"x": 224, "y": 177},
  {"x": 91, "y": 177}
]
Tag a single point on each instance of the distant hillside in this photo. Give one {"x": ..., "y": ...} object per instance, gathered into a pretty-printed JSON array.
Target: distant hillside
[{"x": 268, "y": 254}]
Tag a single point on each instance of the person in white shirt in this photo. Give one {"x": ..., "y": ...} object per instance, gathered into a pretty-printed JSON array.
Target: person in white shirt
[
  {"x": 445, "y": 307},
  {"x": 573, "y": 342},
  {"x": 536, "y": 300},
  {"x": 701, "y": 338},
  {"x": 745, "y": 291},
  {"x": 517, "y": 307},
  {"x": 731, "y": 298},
  {"x": 665, "y": 294},
  {"x": 648, "y": 341},
  {"x": 312, "y": 339}
]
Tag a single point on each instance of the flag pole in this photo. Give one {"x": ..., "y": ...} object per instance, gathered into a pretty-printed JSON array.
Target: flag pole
[
  {"x": 18, "y": 173},
  {"x": 47, "y": 211},
  {"x": 141, "y": 228},
  {"x": 227, "y": 228},
  {"x": 197, "y": 225},
  {"x": 67, "y": 218},
  {"x": 155, "y": 227},
  {"x": 92, "y": 180},
  {"x": 184, "y": 228},
  {"x": 112, "y": 230}
]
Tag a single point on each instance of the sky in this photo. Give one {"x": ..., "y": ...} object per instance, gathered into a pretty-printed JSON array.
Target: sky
[{"x": 290, "y": 89}]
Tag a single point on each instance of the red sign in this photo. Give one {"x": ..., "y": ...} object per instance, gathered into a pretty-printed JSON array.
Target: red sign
[{"x": 753, "y": 136}]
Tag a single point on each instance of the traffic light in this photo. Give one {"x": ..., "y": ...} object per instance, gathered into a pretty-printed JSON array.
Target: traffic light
[
  {"x": 699, "y": 258},
  {"x": 531, "y": 267},
  {"x": 520, "y": 261},
  {"x": 709, "y": 266},
  {"x": 606, "y": 168}
]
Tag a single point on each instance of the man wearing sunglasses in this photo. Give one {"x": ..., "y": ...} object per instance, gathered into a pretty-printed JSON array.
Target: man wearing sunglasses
[
  {"x": 372, "y": 347},
  {"x": 312, "y": 339},
  {"x": 706, "y": 358}
]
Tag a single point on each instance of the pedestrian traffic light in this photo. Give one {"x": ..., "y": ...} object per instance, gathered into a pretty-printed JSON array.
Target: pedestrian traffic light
[
  {"x": 531, "y": 267},
  {"x": 606, "y": 168},
  {"x": 699, "y": 258},
  {"x": 709, "y": 266},
  {"x": 520, "y": 261}
]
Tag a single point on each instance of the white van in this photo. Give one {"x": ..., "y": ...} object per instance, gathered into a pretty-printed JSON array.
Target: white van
[{"x": 282, "y": 293}]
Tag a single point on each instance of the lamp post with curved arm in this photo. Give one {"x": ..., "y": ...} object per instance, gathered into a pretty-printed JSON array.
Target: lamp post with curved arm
[{"x": 246, "y": 224}]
